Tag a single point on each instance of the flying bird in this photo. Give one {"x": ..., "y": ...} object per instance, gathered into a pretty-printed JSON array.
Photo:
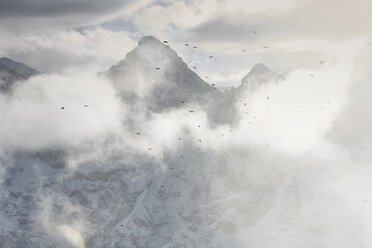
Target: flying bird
[
  {"x": 254, "y": 31},
  {"x": 321, "y": 61},
  {"x": 62, "y": 108},
  {"x": 191, "y": 111},
  {"x": 86, "y": 105},
  {"x": 138, "y": 133},
  {"x": 194, "y": 67},
  {"x": 157, "y": 68},
  {"x": 210, "y": 56},
  {"x": 165, "y": 41},
  {"x": 186, "y": 44},
  {"x": 195, "y": 47}
]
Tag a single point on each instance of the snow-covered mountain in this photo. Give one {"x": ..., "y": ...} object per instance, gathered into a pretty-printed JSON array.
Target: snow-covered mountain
[
  {"x": 154, "y": 78},
  {"x": 11, "y": 71},
  {"x": 106, "y": 193}
]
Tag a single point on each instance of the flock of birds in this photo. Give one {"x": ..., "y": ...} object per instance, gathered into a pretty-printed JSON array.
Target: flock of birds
[
  {"x": 211, "y": 56},
  {"x": 213, "y": 85}
]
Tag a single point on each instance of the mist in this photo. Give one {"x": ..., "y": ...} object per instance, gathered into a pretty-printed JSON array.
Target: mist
[{"x": 287, "y": 168}]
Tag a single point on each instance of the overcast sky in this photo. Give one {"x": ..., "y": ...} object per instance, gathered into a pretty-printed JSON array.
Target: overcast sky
[{"x": 56, "y": 36}]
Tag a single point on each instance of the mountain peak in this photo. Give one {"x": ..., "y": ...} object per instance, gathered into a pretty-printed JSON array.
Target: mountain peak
[
  {"x": 259, "y": 74},
  {"x": 154, "y": 77},
  {"x": 149, "y": 40},
  {"x": 259, "y": 69}
]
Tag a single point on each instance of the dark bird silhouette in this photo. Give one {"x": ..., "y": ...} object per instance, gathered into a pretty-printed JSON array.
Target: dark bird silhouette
[
  {"x": 210, "y": 56},
  {"x": 312, "y": 75},
  {"x": 183, "y": 102},
  {"x": 206, "y": 76},
  {"x": 195, "y": 47},
  {"x": 149, "y": 149},
  {"x": 266, "y": 47},
  {"x": 268, "y": 97},
  {"x": 254, "y": 31},
  {"x": 194, "y": 67},
  {"x": 157, "y": 68},
  {"x": 86, "y": 105},
  {"x": 200, "y": 140},
  {"x": 179, "y": 139},
  {"x": 321, "y": 61},
  {"x": 191, "y": 111},
  {"x": 186, "y": 44},
  {"x": 213, "y": 85},
  {"x": 165, "y": 41},
  {"x": 245, "y": 51},
  {"x": 62, "y": 108},
  {"x": 138, "y": 133}
]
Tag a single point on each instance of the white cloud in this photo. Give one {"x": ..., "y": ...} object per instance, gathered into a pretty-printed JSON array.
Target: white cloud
[
  {"x": 33, "y": 118},
  {"x": 61, "y": 50}
]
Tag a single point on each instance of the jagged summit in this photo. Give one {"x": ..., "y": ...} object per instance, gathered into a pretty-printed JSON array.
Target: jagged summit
[
  {"x": 153, "y": 74},
  {"x": 11, "y": 71}
]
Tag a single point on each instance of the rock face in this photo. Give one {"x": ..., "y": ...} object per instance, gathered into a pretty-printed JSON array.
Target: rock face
[
  {"x": 153, "y": 77},
  {"x": 11, "y": 71}
]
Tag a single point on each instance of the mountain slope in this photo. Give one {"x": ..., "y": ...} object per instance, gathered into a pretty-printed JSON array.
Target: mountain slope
[{"x": 11, "y": 71}]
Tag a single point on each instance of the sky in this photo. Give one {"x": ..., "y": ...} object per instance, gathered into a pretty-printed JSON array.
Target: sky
[{"x": 57, "y": 36}]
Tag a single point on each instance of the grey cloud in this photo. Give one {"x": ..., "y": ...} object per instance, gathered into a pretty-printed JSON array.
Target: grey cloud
[
  {"x": 31, "y": 16},
  {"x": 19, "y": 8}
]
